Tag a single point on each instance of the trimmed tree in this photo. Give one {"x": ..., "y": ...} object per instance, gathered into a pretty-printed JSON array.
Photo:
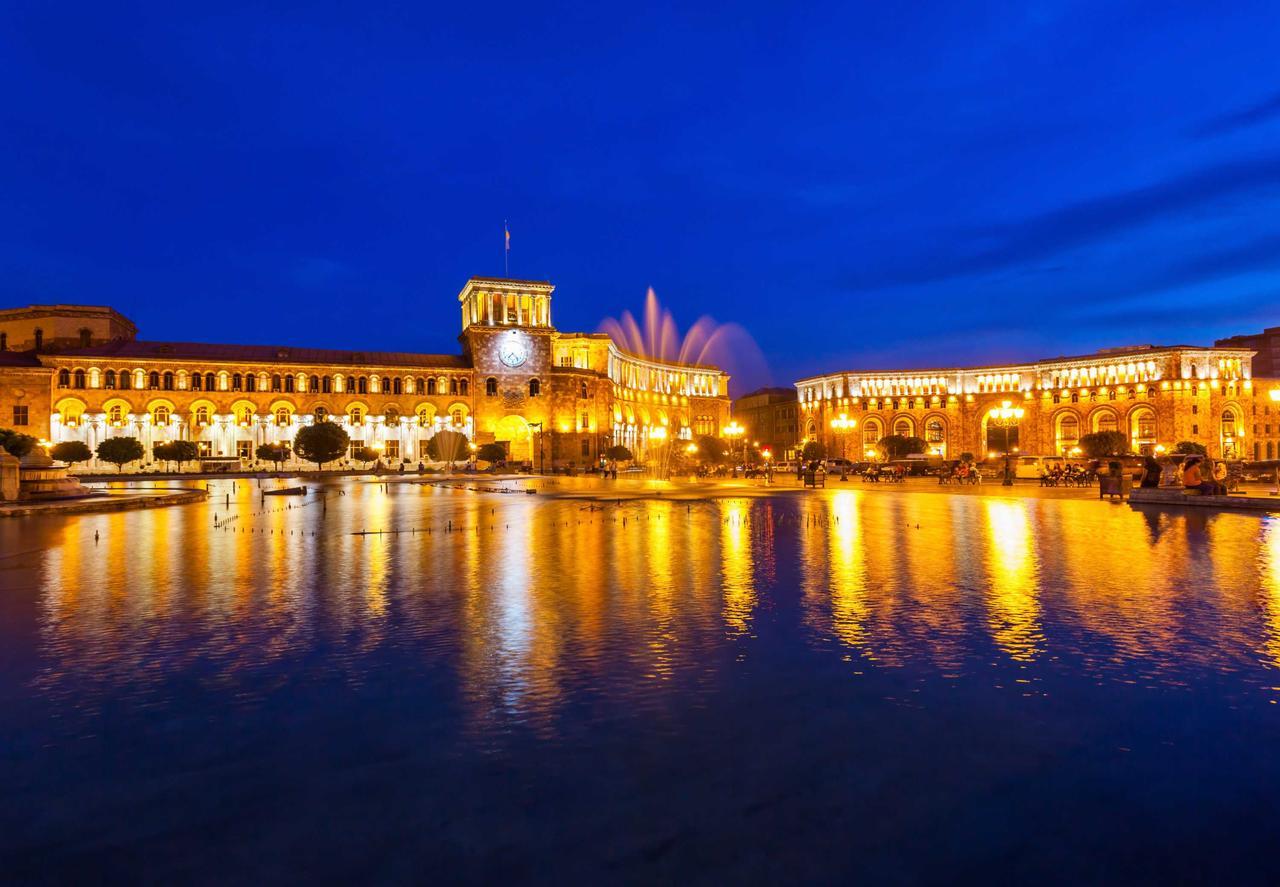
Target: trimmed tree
[
  {"x": 183, "y": 451},
  {"x": 15, "y": 443},
  {"x": 367, "y": 455},
  {"x": 120, "y": 451},
  {"x": 163, "y": 452},
  {"x": 492, "y": 452},
  {"x": 619, "y": 453},
  {"x": 814, "y": 451},
  {"x": 1100, "y": 444},
  {"x": 321, "y": 443},
  {"x": 272, "y": 453},
  {"x": 711, "y": 450},
  {"x": 1190, "y": 448},
  {"x": 71, "y": 452},
  {"x": 897, "y": 446}
]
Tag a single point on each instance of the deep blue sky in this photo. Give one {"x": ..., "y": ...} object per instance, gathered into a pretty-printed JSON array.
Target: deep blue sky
[{"x": 878, "y": 184}]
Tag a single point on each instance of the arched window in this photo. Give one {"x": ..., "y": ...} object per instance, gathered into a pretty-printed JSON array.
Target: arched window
[
  {"x": 288, "y": 383},
  {"x": 362, "y": 385},
  {"x": 167, "y": 381},
  {"x": 109, "y": 379},
  {"x": 1107, "y": 421},
  {"x": 153, "y": 380},
  {"x": 392, "y": 416},
  {"x": 237, "y": 382},
  {"x": 115, "y": 415},
  {"x": 419, "y": 385},
  {"x": 275, "y": 382},
  {"x": 582, "y": 390},
  {"x": 202, "y": 416},
  {"x": 1271, "y": 450},
  {"x": 431, "y": 386},
  {"x": 250, "y": 382},
  {"x": 197, "y": 382},
  {"x": 246, "y": 415},
  {"x": 535, "y": 387},
  {"x": 1230, "y": 435},
  {"x": 160, "y": 416},
  {"x": 64, "y": 378},
  {"x": 39, "y": 338},
  {"x": 77, "y": 379},
  {"x": 210, "y": 384},
  {"x": 453, "y": 386},
  {"x": 321, "y": 414},
  {"x": 902, "y": 428},
  {"x": 457, "y": 418},
  {"x": 313, "y": 384},
  {"x": 397, "y": 386},
  {"x": 463, "y": 387},
  {"x": 424, "y": 417},
  {"x": 326, "y": 385},
  {"x": 86, "y": 338},
  {"x": 491, "y": 386},
  {"x": 282, "y": 416},
  {"x": 124, "y": 380},
  {"x": 356, "y": 415},
  {"x": 933, "y": 431},
  {"x": 872, "y": 431}
]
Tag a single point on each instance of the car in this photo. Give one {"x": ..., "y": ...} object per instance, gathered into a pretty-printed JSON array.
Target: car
[{"x": 836, "y": 466}]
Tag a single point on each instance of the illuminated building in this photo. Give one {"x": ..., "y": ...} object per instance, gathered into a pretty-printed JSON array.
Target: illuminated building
[
  {"x": 771, "y": 417},
  {"x": 76, "y": 372},
  {"x": 1156, "y": 396}
]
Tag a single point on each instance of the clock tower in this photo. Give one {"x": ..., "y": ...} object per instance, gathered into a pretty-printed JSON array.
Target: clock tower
[{"x": 506, "y": 326}]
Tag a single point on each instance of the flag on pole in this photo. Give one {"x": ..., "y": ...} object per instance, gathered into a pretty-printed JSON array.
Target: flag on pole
[{"x": 506, "y": 254}]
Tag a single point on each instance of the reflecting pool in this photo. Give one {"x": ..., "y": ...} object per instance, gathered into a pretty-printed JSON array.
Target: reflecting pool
[{"x": 425, "y": 682}]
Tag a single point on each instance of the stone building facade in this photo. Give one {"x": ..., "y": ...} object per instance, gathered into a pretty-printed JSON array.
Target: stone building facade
[
  {"x": 551, "y": 398},
  {"x": 771, "y": 419},
  {"x": 1156, "y": 396}
]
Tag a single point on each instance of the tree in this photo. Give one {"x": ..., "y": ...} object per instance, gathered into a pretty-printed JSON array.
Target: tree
[
  {"x": 269, "y": 452},
  {"x": 492, "y": 452},
  {"x": 1190, "y": 448},
  {"x": 966, "y": 457},
  {"x": 367, "y": 455},
  {"x": 619, "y": 453},
  {"x": 1101, "y": 444},
  {"x": 897, "y": 446},
  {"x": 711, "y": 450},
  {"x": 15, "y": 443},
  {"x": 814, "y": 451},
  {"x": 120, "y": 451},
  {"x": 184, "y": 451},
  {"x": 321, "y": 443},
  {"x": 71, "y": 452},
  {"x": 163, "y": 452}
]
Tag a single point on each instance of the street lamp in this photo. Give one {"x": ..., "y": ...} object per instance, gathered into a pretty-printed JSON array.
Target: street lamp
[
  {"x": 1006, "y": 417},
  {"x": 537, "y": 425},
  {"x": 732, "y": 431},
  {"x": 842, "y": 426}
]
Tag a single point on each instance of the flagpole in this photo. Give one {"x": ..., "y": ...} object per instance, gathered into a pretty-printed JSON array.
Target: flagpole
[{"x": 506, "y": 249}]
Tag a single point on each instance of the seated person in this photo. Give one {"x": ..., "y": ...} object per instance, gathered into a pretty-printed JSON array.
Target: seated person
[
  {"x": 1193, "y": 479},
  {"x": 1150, "y": 472}
]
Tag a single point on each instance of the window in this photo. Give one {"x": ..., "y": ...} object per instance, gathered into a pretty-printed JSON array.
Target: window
[
  {"x": 1107, "y": 422},
  {"x": 933, "y": 431},
  {"x": 64, "y": 378},
  {"x": 902, "y": 428},
  {"x": 288, "y": 384},
  {"x": 86, "y": 338},
  {"x": 237, "y": 382},
  {"x": 115, "y": 415},
  {"x": 582, "y": 391},
  {"x": 424, "y": 449},
  {"x": 453, "y": 386},
  {"x": 586, "y": 448},
  {"x": 491, "y": 387},
  {"x": 356, "y": 415},
  {"x": 419, "y": 385},
  {"x": 153, "y": 380},
  {"x": 424, "y": 417},
  {"x": 167, "y": 381},
  {"x": 160, "y": 416},
  {"x": 397, "y": 387},
  {"x": 1195, "y": 408},
  {"x": 326, "y": 384},
  {"x": 4, "y": 341},
  {"x": 246, "y": 416},
  {"x": 39, "y": 338},
  {"x": 109, "y": 379},
  {"x": 431, "y": 386},
  {"x": 535, "y": 387},
  {"x": 244, "y": 450},
  {"x": 392, "y": 449},
  {"x": 275, "y": 382},
  {"x": 197, "y": 382},
  {"x": 282, "y": 416},
  {"x": 586, "y": 422},
  {"x": 457, "y": 418},
  {"x": 20, "y": 416},
  {"x": 78, "y": 379},
  {"x": 124, "y": 380},
  {"x": 202, "y": 416},
  {"x": 392, "y": 416},
  {"x": 209, "y": 383},
  {"x": 250, "y": 382},
  {"x": 463, "y": 387},
  {"x": 321, "y": 415},
  {"x": 362, "y": 385}
]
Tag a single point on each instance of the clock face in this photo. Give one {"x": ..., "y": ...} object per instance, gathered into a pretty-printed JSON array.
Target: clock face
[{"x": 513, "y": 351}]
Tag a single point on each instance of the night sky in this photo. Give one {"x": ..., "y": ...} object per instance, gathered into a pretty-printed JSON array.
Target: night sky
[{"x": 859, "y": 185}]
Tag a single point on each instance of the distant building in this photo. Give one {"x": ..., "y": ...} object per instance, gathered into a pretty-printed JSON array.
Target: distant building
[
  {"x": 770, "y": 416},
  {"x": 1155, "y": 395},
  {"x": 1266, "y": 348},
  {"x": 79, "y": 372}
]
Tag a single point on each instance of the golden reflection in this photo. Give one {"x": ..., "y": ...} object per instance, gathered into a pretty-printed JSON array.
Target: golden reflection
[
  {"x": 736, "y": 565},
  {"x": 1013, "y": 610},
  {"x": 1271, "y": 591},
  {"x": 850, "y": 608}
]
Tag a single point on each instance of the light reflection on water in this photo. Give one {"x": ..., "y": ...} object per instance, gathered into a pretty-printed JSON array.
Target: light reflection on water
[{"x": 532, "y": 600}]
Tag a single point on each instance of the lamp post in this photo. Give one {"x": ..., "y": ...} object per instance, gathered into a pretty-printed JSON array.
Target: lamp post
[
  {"x": 733, "y": 431},
  {"x": 538, "y": 459},
  {"x": 842, "y": 425},
  {"x": 1006, "y": 417}
]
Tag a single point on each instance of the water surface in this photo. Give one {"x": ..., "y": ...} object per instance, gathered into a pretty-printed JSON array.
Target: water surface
[{"x": 860, "y": 683}]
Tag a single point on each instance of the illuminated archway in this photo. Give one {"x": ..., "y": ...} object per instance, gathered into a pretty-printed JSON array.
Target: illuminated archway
[
  {"x": 513, "y": 431},
  {"x": 1142, "y": 429},
  {"x": 1066, "y": 432}
]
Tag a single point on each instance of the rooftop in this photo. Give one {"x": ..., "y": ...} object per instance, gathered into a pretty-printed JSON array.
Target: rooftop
[{"x": 121, "y": 349}]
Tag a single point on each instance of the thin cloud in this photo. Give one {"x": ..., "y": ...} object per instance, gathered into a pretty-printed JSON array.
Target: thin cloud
[
  {"x": 1253, "y": 116},
  {"x": 1083, "y": 223}
]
